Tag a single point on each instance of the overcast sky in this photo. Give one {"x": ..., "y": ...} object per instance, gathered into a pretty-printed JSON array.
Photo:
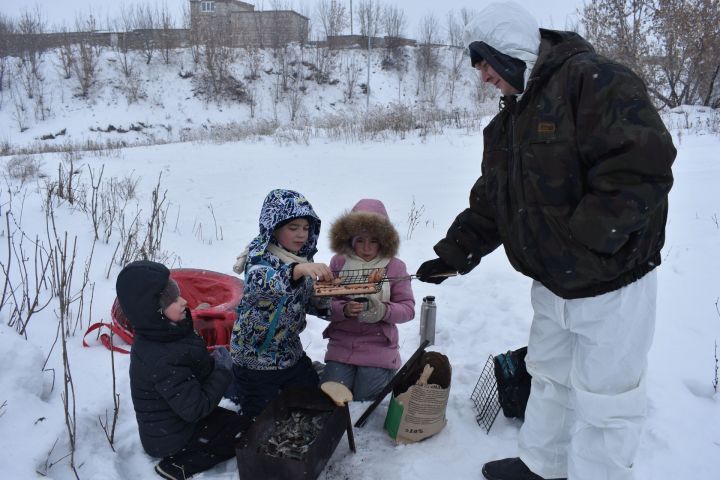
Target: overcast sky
[{"x": 550, "y": 13}]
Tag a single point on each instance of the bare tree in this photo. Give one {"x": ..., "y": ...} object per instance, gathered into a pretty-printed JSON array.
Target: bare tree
[
  {"x": 369, "y": 14},
  {"x": 217, "y": 57},
  {"x": 194, "y": 28},
  {"x": 427, "y": 62},
  {"x": 393, "y": 21},
  {"x": 621, "y": 30},
  {"x": 166, "y": 22},
  {"x": 31, "y": 25},
  {"x": 65, "y": 54},
  {"x": 123, "y": 54},
  {"x": 689, "y": 51},
  {"x": 7, "y": 30},
  {"x": 146, "y": 21},
  {"x": 674, "y": 45},
  {"x": 87, "y": 56},
  {"x": 393, "y": 26},
  {"x": 333, "y": 17},
  {"x": 455, "y": 30}
]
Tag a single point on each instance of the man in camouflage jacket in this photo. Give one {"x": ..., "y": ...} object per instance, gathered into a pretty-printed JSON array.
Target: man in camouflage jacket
[{"x": 576, "y": 172}]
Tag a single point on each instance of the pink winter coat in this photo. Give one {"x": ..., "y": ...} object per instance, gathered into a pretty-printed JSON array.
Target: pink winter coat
[{"x": 370, "y": 344}]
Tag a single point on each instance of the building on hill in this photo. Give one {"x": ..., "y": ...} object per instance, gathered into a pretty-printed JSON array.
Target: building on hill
[{"x": 241, "y": 25}]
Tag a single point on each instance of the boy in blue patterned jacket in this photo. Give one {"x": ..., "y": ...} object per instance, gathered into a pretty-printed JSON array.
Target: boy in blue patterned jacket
[{"x": 279, "y": 275}]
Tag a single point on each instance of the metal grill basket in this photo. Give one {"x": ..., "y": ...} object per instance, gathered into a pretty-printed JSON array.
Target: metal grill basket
[{"x": 352, "y": 282}]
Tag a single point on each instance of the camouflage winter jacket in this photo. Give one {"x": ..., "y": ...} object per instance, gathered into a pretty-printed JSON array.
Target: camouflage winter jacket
[{"x": 575, "y": 177}]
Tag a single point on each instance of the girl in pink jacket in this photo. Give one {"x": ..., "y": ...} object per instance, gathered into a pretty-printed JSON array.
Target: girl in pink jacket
[{"x": 363, "y": 351}]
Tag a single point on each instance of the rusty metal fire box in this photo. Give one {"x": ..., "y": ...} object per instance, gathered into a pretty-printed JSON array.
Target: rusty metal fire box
[{"x": 306, "y": 420}]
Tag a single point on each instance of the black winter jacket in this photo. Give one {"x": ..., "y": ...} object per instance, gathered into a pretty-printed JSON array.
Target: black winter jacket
[
  {"x": 173, "y": 379},
  {"x": 575, "y": 177}
]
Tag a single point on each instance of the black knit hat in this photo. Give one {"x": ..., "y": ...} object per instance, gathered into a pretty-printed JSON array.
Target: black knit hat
[
  {"x": 170, "y": 294},
  {"x": 511, "y": 69}
]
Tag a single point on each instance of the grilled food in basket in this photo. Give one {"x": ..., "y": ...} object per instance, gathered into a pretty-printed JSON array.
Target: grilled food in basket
[{"x": 352, "y": 282}]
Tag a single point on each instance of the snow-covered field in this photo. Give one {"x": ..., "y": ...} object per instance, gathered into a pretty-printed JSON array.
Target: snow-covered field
[
  {"x": 482, "y": 313},
  {"x": 214, "y": 193}
]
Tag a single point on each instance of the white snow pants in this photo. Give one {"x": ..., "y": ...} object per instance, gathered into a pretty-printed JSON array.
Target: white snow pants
[{"x": 587, "y": 358}]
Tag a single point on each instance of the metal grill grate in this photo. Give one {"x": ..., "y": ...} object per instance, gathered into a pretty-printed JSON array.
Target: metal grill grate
[
  {"x": 352, "y": 282},
  {"x": 485, "y": 397}
]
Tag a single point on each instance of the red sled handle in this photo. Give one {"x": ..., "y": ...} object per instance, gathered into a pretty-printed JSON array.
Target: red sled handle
[{"x": 106, "y": 339}]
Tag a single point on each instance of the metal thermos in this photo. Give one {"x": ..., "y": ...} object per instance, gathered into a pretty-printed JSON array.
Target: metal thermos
[{"x": 427, "y": 320}]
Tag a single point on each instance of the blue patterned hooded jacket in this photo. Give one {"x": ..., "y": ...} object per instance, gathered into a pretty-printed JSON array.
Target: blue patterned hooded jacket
[{"x": 271, "y": 315}]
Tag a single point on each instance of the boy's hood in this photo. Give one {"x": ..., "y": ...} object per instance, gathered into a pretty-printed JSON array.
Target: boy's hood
[
  {"x": 280, "y": 205},
  {"x": 138, "y": 288}
]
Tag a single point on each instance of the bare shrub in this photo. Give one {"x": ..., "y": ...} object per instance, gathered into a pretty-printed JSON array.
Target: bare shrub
[
  {"x": 109, "y": 425},
  {"x": 23, "y": 167},
  {"x": 414, "y": 216},
  {"x": 352, "y": 75},
  {"x": 27, "y": 297},
  {"x": 20, "y": 109},
  {"x": 253, "y": 62}
]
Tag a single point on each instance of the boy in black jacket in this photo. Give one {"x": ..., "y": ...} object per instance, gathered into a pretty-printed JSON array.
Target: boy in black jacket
[{"x": 176, "y": 384}]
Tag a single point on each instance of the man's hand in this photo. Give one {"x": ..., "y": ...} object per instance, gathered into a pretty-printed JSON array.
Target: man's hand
[{"x": 435, "y": 271}]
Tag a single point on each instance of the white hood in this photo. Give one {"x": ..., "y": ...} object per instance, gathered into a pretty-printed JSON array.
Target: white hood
[{"x": 509, "y": 29}]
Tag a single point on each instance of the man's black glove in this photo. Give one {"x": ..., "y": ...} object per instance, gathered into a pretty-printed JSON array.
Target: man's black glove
[{"x": 435, "y": 271}]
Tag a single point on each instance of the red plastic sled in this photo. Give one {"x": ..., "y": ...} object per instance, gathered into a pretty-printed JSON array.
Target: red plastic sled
[{"x": 221, "y": 293}]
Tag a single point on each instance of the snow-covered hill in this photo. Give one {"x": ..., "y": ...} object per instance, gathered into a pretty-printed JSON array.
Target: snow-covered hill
[{"x": 159, "y": 103}]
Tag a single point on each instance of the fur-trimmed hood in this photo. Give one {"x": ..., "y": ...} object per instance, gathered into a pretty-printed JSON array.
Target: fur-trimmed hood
[{"x": 368, "y": 216}]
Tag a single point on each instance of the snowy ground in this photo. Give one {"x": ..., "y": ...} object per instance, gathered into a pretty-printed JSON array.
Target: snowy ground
[{"x": 482, "y": 313}]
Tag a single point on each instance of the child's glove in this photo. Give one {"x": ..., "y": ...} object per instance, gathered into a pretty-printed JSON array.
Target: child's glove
[
  {"x": 222, "y": 357},
  {"x": 375, "y": 312}
]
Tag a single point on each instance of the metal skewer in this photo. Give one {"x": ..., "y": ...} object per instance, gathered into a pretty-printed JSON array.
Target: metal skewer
[{"x": 414, "y": 276}]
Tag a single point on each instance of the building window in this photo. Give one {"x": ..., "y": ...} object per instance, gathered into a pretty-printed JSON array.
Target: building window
[{"x": 207, "y": 7}]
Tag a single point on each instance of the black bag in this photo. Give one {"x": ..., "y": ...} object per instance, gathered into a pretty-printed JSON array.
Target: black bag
[{"x": 513, "y": 382}]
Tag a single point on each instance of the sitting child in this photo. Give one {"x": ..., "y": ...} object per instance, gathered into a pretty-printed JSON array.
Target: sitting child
[
  {"x": 279, "y": 276},
  {"x": 175, "y": 383},
  {"x": 363, "y": 352}
]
